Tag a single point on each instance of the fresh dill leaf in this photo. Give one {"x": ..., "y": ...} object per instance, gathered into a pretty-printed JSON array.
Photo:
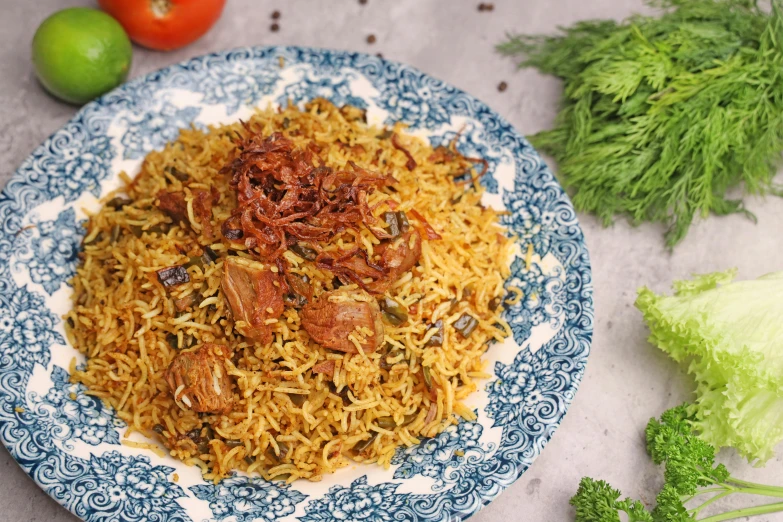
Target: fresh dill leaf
[{"x": 661, "y": 116}]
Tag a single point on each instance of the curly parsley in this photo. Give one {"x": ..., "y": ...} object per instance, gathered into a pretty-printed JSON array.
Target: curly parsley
[{"x": 691, "y": 474}]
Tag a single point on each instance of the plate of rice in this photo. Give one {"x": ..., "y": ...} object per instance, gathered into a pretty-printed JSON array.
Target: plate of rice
[{"x": 281, "y": 283}]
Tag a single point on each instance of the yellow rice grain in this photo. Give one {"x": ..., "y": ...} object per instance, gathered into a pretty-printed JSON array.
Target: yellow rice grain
[{"x": 128, "y": 326}]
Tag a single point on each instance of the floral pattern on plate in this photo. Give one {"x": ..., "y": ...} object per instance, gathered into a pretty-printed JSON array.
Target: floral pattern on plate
[
  {"x": 47, "y": 250},
  {"x": 67, "y": 441}
]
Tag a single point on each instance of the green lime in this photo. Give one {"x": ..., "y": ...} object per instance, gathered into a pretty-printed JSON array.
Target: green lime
[{"x": 81, "y": 53}]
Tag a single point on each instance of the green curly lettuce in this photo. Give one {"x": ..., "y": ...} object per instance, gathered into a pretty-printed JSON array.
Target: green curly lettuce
[{"x": 730, "y": 336}]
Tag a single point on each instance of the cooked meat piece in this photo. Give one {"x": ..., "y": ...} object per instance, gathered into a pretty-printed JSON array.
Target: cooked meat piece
[
  {"x": 335, "y": 315},
  {"x": 401, "y": 254},
  {"x": 202, "y": 207},
  {"x": 325, "y": 367},
  {"x": 173, "y": 205},
  {"x": 352, "y": 267},
  {"x": 397, "y": 257},
  {"x": 358, "y": 265},
  {"x": 199, "y": 380},
  {"x": 255, "y": 294},
  {"x": 301, "y": 291}
]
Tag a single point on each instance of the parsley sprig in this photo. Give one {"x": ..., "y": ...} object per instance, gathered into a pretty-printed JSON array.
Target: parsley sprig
[{"x": 690, "y": 473}]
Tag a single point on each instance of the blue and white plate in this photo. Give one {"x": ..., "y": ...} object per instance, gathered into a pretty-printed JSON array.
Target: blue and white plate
[{"x": 70, "y": 443}]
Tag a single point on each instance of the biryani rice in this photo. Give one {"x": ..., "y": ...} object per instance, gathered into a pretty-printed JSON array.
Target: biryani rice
[{"x": 287, "y": 422}]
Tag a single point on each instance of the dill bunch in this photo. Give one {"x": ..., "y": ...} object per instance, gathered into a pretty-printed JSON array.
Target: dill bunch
[{"x": 662, "y": 115}]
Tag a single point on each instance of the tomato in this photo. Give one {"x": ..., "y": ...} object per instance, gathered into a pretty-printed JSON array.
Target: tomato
[{"x": 164, "y": 25}]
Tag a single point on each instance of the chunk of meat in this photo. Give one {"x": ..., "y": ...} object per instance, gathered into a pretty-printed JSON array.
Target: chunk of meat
[
  {"x": 255, "y": 294},
  {"x": 336, "y": 316},
  {"x": 199, "y": 380},
  {"x": 325, "y": 367},
  {"x": 397, "y": 257},
  {"x": 300, "y": 285},
  {"x": 173, "y": 205},
  {"x": 202, "y": 207},
  {"x": 358, "y": 265},
  {"x": 401, "y": 254}
]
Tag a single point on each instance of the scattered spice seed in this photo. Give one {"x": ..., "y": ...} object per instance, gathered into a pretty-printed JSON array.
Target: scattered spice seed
[
  {"x": 486, "y": 7},
  {"x": 275, "y": 15},
  {"x": 502, "y": 86},
  {"x": 379, "y": 55},
  {"x": 362, "y": 2},
  {"x": 274, "y": 27},
  {"x": 371, "y": 39}
]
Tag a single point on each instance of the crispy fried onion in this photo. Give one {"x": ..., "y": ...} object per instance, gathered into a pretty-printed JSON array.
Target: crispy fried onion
[{"x": 285, "y": 195}]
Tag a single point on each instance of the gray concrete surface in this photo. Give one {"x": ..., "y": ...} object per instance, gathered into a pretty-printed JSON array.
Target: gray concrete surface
[{"x": 627, "y": 380}]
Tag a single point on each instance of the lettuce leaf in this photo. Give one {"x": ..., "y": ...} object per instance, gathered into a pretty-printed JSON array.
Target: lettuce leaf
[{"x": 730, "y": 337}]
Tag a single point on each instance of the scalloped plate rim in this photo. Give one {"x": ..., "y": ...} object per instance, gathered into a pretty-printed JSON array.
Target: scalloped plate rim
[{"x": 150, "y": 78}]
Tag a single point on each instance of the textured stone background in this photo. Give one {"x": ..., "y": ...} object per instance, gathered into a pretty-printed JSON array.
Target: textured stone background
[{"x": 627, "y": 380}]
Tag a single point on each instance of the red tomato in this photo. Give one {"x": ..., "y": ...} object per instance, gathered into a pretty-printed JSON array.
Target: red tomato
[{"x": 164, "y": 25}]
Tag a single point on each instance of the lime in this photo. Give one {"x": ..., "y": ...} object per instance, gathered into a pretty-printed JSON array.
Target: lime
[{"x": 81, "y": 53}]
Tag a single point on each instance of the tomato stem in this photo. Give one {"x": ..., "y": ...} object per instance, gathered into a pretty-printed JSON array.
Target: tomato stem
[{"x": 160, "y": 8}]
